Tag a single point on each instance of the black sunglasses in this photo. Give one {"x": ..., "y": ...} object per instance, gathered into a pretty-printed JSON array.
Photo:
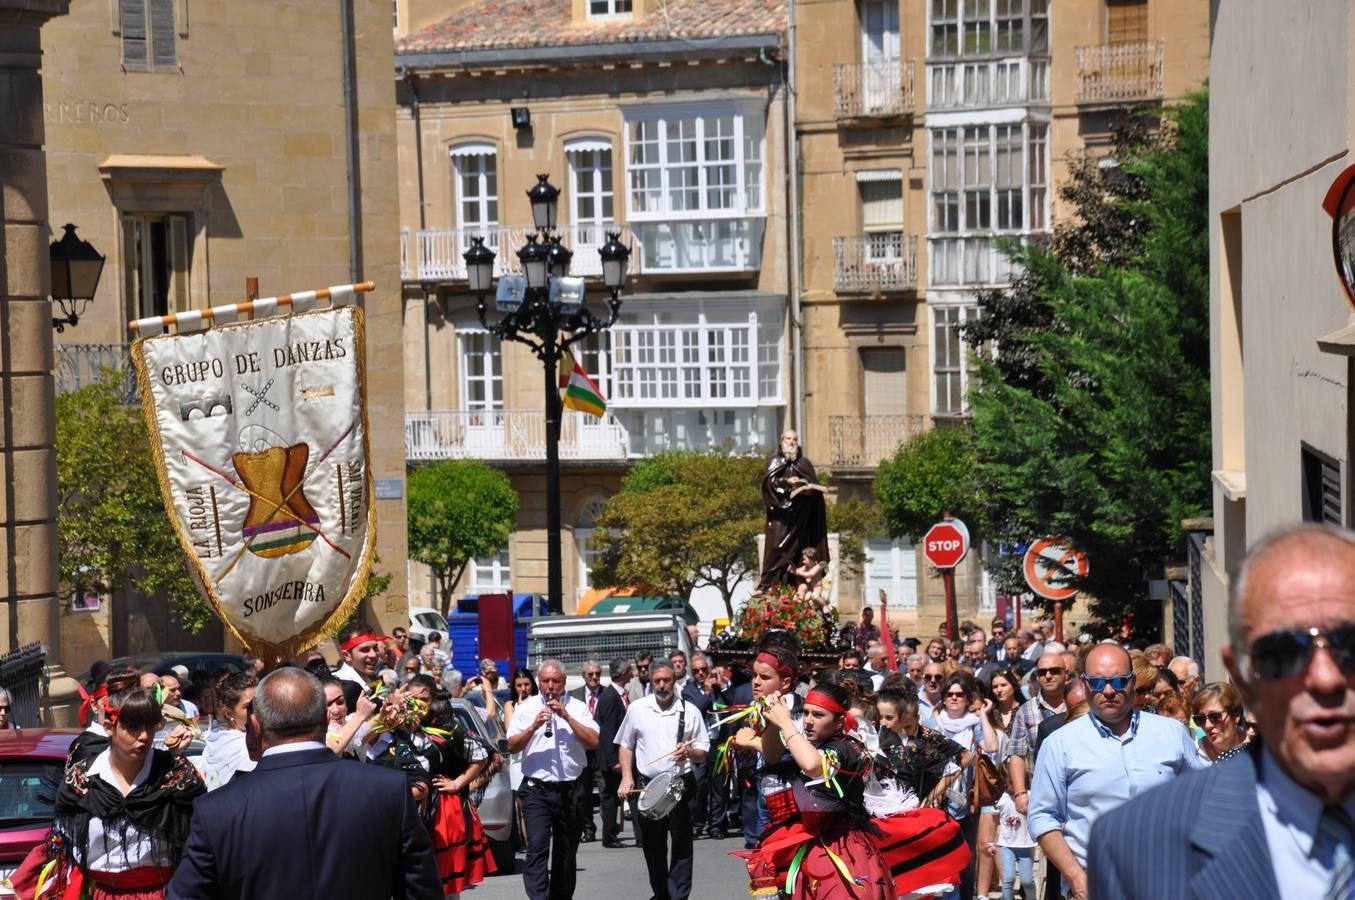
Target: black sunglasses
[
  {"x": 1287, "y": 653},
  {"x": 1214, "y": 718},
  {"x": 1052, "y": 670},
  {"x": 933, "y": 677}
]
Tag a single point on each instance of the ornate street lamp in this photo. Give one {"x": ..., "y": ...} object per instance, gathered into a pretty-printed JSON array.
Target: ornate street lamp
[
  {"x": 76, "y": 267},
  {"x": 546, "y": 309}
]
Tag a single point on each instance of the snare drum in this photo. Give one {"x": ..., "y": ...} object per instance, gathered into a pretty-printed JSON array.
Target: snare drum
[{"x": 660, "y": 796}]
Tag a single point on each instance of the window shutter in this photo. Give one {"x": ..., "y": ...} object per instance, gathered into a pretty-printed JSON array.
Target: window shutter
[
  {"x": 882, "y": 205},
  {"x": 179, "y": 263},
  {"x": 885, "y": 384},
  {"x": 1126, "y": 22},
  {"x": 162, "y": 34},
  {"x": 132, "y": 21}
]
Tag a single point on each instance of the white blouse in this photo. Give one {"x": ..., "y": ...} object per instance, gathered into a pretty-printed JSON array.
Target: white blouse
[{"x": 109, "y": 851}]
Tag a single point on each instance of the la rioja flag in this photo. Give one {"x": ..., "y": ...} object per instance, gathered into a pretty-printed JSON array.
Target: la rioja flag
[{"x": 577, "y": 390}]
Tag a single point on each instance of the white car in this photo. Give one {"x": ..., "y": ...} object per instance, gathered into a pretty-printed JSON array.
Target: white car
[
  {"x": 423, "y": 621},
  {"x": 497, "y": 810}
]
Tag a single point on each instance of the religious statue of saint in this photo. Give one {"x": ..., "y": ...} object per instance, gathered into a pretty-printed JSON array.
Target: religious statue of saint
[{"x": 797, "y": 517}]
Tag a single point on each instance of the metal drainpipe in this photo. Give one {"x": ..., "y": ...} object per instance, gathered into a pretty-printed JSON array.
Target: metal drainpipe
[
  {"x": 796, "y": 260},
  {"x": 423, "y": 223},
  {"x": 350, "y": 104}
]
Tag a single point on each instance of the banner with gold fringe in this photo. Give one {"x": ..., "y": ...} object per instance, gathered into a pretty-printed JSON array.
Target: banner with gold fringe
[{"x": 259, "y": 432}]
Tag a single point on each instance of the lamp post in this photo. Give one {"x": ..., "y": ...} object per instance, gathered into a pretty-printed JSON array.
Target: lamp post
[
  {"x": 76, "y": 267},
  {"x": 547, "y": 310}
]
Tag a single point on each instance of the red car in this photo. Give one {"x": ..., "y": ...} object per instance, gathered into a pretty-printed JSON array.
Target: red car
[{"x": 31, "y": 763}]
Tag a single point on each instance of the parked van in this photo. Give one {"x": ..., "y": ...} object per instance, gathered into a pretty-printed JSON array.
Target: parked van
[{"x": 574, "y": 640}]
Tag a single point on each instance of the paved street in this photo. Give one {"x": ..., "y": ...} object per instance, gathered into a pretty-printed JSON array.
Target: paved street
[{"x": 620, "y": 874}]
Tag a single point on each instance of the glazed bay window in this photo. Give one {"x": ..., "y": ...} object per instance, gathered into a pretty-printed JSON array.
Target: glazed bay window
[
  {"x": 694, "y": 188},
  {"x": 987, "y": 53},
  {"x": 950, "y": 359},
  {"x": 699, "y": 376},
  {"x": 986, "y": 180}
]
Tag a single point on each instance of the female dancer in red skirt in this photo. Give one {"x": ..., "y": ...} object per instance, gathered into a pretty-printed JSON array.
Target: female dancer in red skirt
[
  {"x": 442, "y": 761},
  {"x": 122, "y": 815},
  {"x": 826, "y": 850}
]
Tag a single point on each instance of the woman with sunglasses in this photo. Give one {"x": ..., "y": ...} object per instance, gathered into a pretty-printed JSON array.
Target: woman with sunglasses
[
  {"x": 1217, "y": 710},
  {"x": 825, "y": 848},
  {"x": 959, "y": 719}
]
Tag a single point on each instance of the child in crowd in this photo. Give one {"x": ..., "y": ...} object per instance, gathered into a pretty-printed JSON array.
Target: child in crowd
[{"x": 1014, "y": 846}]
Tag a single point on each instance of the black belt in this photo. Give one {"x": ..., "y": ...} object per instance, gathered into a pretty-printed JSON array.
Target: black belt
[{"x": 542, "y": 783}]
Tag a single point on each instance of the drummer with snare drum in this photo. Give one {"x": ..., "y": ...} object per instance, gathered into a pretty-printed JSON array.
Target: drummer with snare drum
[{"x": 660, "y": 738}]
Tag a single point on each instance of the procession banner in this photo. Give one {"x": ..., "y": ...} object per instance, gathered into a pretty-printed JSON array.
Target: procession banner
[{"x": 259, "y": 433}]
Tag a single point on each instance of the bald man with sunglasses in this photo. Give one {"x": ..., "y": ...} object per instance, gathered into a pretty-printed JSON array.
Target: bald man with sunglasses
[
  {"x": 1276, "y": 820},
  {"x": 1098, "y": 762}
]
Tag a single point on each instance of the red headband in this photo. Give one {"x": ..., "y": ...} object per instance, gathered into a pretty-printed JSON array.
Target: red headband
[
  {"x": 87, "y": 701},
  {"x": 360, "y": 638},
  {"x": 826, "y": 702},
  {"x": 110, "y": 712},
  {"x": 781, "y": 668}
]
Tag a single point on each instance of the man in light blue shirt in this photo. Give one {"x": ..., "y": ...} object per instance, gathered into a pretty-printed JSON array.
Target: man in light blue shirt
[{"x": 1097, "y": 762}]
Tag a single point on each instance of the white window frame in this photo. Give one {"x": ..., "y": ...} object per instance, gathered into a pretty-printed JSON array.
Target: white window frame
[
  {"x": 1031, "y": 11},
  {"x": 491, "y": 355},
  {"x": 476, "y": 159},
  {"x": 601, "y": 187},
  {"x": 902, "y": 592},
  {"x": 492, "y": 574},
  {"x": 749, "y": 133},
  {"x": 966, "y": 255},
  {"x": 962, "y": 313},
  {"x": 656, "y": 363},
  {"x": 615, "y": 9},
  {"x": 583, "y": 542}
]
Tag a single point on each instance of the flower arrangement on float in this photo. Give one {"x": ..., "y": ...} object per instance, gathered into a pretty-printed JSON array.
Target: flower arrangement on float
[{"x": 779, "y": 609}]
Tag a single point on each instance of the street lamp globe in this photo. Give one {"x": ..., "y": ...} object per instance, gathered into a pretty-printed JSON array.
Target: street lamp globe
[
  {"x": 615, "y": 258},
  {"x": 545, "y": 201},
  {"x": 534, "y": 259},
  {"x": 479, "y": 266},
  {"x": 558, "y": 257}
]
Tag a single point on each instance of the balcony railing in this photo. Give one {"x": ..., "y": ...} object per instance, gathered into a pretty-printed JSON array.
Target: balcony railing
[
  {"x": 987, "y": 83},
  {"x": 882, "y": 261},
  {"x": 676, "y": 245},
  {"x": 866, "y": 441},
  {"x": 874, "y": 89},
  {"x": 499, "y": 435},
  {"x": 1120, "y": 73},
  {"x": 436, "y": 253},
  {"x": 78, "y": 365}
]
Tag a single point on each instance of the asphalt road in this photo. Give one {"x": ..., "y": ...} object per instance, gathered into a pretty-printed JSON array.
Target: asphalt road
[{"x": 620, "y": 874}]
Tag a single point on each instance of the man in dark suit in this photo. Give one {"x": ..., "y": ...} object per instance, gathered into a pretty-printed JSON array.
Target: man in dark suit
[
  {"x": 1279, "y": 814},
  {"x": 611, "y": 710},
  {"x": 286, "y": 830},
  {"x": 589, "y": 694}
]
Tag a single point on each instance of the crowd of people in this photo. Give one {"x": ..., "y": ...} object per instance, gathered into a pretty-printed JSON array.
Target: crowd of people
[{"x": 997, "y": 764}]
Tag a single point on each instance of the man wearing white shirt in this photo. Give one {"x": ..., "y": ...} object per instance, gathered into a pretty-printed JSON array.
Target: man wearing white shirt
[
  {"x": 554, "y": 732},
  {"x": 361, "y": 649},
  {"x": 663, "y": 733}
]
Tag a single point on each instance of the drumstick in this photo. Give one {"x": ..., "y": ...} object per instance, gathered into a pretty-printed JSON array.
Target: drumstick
[{"x": 669, "y": 753}]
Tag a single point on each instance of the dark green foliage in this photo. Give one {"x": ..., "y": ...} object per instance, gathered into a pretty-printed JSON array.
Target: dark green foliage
[
  {"x": 113, "y": 533},
  {"x": 459, "y": 509},
  {"x": 1092, "y": 420}
]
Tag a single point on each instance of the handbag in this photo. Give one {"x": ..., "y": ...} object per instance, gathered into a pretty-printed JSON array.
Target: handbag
[{"x": 988, "y": 784}]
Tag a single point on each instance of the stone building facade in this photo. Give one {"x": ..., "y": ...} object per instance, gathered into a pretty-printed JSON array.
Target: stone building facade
[{"x": 197, "y": 145}]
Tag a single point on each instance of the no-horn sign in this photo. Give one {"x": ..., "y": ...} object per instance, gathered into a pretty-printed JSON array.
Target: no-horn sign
[{"x": 1050, "y": 565}]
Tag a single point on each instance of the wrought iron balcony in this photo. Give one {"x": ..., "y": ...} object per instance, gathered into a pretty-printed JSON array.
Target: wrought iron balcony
[
  {"x": 866, "y": 441},
  {"x": 881, "y": 261},
  {"x": 499, "y": 435},
  {"x": 1120, "y": 73},
  {"x": 79, "y": 365},
  {"x": 874, "y": 89}
]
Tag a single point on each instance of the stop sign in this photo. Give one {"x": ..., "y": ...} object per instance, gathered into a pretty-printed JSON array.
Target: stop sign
[{"x": 946, "y": 543}]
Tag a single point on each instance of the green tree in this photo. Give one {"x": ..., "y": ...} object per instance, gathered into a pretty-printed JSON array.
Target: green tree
[
  {"x": 855, "y": 521},
  {"x": 113, "y": 534},
  {"x": 684, "y": 519},
  {"x": 933, "y": 473},
  {"x": 458, "y": 510},
  {"x": 1092, "y": 418}
]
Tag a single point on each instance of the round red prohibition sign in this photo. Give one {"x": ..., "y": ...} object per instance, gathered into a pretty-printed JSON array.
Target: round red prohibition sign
[
  {"x": 1049, "y": 566},
  {"x": 946, "y": 543}
]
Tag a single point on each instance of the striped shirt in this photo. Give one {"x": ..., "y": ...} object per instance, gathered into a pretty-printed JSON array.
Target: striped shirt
[{"x": 1026, "y": 724}]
